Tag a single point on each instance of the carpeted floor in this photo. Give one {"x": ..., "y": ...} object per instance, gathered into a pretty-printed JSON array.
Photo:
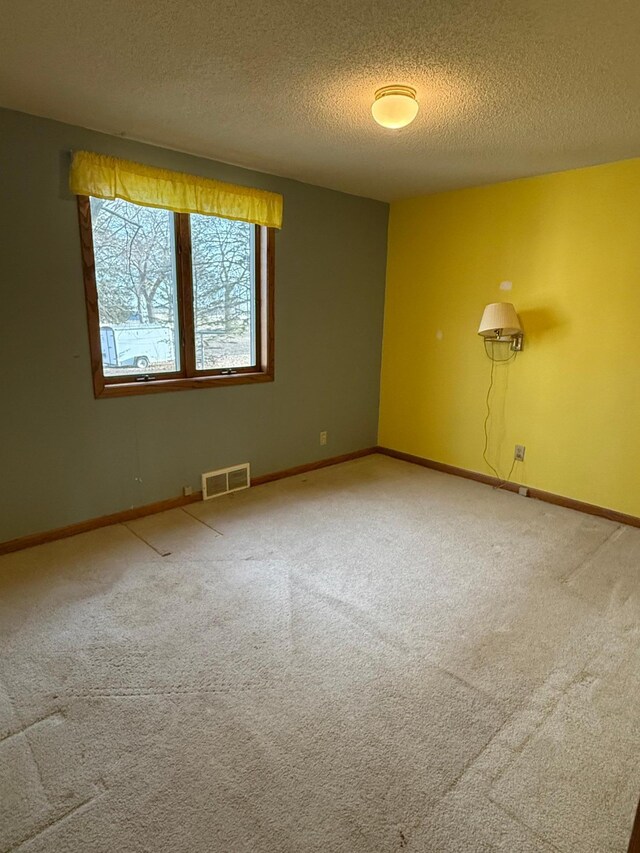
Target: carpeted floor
[{"x": 369, "y": 658}]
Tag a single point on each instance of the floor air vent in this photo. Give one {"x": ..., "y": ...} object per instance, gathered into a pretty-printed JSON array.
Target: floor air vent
[{"x": 225, "y": 480}]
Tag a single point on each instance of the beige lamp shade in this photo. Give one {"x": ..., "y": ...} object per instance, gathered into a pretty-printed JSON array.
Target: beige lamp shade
[{"x": 499, "y": 318}]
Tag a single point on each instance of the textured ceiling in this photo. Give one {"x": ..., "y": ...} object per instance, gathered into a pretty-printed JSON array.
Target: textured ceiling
[{"x": 507, "y": 88}]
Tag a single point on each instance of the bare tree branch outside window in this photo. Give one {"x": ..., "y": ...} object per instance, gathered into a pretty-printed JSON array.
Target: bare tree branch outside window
[{"x": 134, "y": 250}]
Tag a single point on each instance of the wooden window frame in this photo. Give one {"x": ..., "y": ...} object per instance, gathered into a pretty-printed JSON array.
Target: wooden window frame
[{"x": 188, "y": 376}]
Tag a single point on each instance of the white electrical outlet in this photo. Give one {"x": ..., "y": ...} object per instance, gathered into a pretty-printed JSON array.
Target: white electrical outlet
[
  {"x": 323, "y": 437},
  {"x": 187, "y": 490},
  {"x": 518, "y": 453}
]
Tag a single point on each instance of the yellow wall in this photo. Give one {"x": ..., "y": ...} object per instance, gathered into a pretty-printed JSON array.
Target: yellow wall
[{"x": 570, "y": 244}]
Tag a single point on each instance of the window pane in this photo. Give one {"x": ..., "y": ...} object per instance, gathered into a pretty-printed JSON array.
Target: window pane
[
  {"x": 222, "y": 257},
  {"x": 134, "y": 249}
]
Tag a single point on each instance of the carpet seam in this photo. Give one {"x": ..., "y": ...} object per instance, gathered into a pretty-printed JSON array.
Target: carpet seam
[
  {"x": 517, "y": 752},
  {"x": 201, "y": 520},
  {"x": 565, "y": 579},
  {"x": 25, "y": 729},
  {"x": 471, "y": 687},
  {"x": 516, "y": 819},
  {"x": 352, "y": 613},
  {"x": 55, "y": 822},
  {"x": 142, "y": 539}
]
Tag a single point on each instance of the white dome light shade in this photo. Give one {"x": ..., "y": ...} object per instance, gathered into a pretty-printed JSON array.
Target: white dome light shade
[{"x": 395, "y": 106}]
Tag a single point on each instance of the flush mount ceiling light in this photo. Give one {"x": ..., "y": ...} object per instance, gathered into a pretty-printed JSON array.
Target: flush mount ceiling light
[{"x": 395, "y": 106}]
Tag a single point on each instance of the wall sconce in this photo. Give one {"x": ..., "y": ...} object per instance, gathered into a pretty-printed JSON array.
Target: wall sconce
[{"x": 501, "y": 323}]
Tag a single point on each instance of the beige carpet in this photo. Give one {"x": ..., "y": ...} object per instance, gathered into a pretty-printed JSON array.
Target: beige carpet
[{"x": 366, "y": 659}]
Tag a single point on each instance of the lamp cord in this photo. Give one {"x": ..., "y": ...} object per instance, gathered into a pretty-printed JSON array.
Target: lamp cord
[{"x": 491, "y": 356}]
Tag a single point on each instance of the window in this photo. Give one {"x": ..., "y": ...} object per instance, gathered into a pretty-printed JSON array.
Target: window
[{"x": 175, "y": 300}]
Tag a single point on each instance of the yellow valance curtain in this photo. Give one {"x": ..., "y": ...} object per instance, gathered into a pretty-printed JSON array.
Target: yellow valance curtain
[{"x": 108, "y": 177}]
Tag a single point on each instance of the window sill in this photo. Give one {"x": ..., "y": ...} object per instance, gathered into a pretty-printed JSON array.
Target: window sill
[{"x": 158, "y": 386}]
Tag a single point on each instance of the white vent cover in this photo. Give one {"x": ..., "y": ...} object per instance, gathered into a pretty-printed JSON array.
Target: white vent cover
[{"x": 225, "y": 480}]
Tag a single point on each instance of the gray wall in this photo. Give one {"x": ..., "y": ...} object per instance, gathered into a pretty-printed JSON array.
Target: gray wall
[{"x": 65, "y": 456}]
